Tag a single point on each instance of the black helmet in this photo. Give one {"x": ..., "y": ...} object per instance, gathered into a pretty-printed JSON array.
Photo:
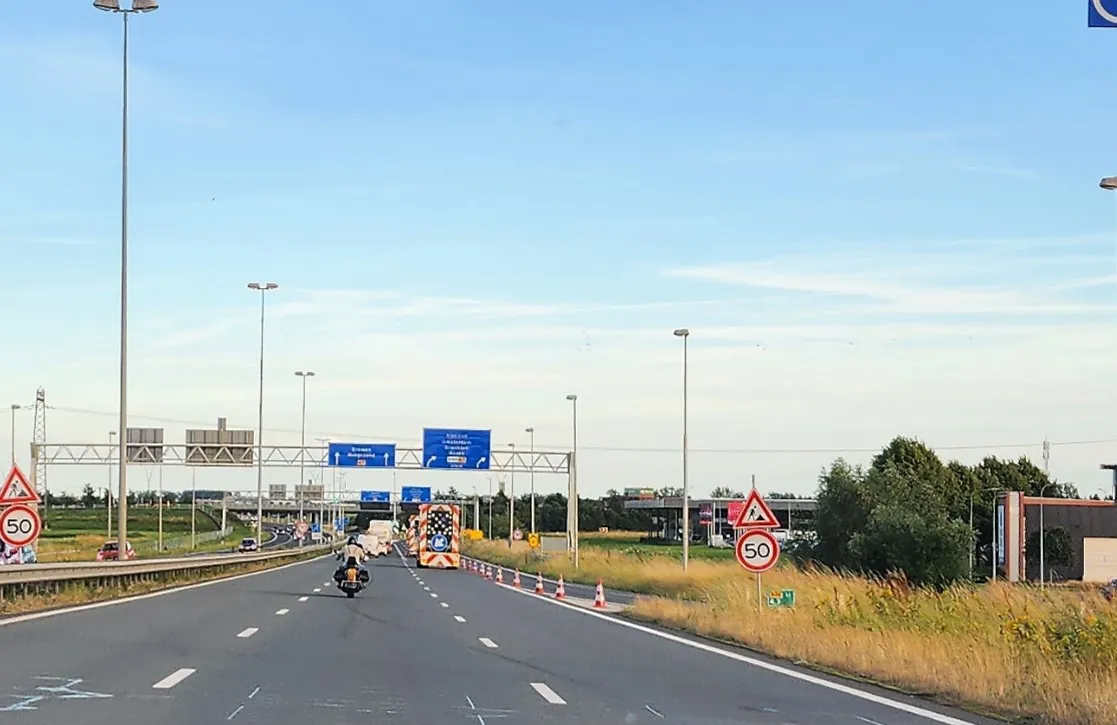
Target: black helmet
[{"x": 352, "y": 539}]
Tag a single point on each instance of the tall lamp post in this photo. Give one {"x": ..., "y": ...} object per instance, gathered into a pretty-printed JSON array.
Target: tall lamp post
[
  {"x": 973, "y": 542},
  {"x": 572, "y": 492},
  {"x": 108, "y": 491},
  {"x": 263, "y": 288},
  {"x": 304, "y": 374},
  {"x": 512, "y": 496},
  {"x": 531, "y": 474},
  {"x": 685, "y": 333},
  {"x": 15, "y": 407},
  {"x": 113, "y": 6}
]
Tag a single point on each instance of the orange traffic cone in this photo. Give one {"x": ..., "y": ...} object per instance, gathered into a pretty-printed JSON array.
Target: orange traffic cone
[
  {"x": 560, "y": 592},
  {"x": 539, "y": 583},
  {"x": 516, "y": 579},
  {"x": 488, "y": 572},
  {"x": 499, "y": 575},
  {"x": 599, "y": 597}
]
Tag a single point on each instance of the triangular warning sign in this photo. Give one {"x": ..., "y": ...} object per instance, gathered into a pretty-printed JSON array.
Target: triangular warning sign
[
  {"x": 16, "y": 489},
  {"x": 756, "y": 514}
]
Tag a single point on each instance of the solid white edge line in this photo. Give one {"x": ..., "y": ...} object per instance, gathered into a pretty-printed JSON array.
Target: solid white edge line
[
  {"x": 777, "y": 669},
  {"x": 248, "y": 632},
  {"x": 5, "y": 621},
  {"x": 173, "y": 679},
  {"x": 487, "y": 642},
  {"x": 547, "y": 693}
]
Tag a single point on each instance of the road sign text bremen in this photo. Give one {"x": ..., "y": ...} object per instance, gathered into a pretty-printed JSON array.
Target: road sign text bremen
[
  {"x": 756, "y": 513},
  {"x": 757, "y": 550},
  {"x": 16, "y": 489},
  {"x": 19, "y": 526}
]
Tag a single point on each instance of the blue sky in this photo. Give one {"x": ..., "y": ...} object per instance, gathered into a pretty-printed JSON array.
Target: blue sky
[{"x": 473, "y": 208}]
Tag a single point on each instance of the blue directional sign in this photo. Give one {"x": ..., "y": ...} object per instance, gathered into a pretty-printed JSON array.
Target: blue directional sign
[
  {"x": 372, "y": 455},
  {"x": 415, "y": 494},
  {"x": 316, "y": 527},
  {"x": 439, "y": 542},
  {"x": 341, "y": 523},
  {"x": 1102, "y": 13},
  {"x": 376, "y": 496},
  {"x": 456, "y": 448}
]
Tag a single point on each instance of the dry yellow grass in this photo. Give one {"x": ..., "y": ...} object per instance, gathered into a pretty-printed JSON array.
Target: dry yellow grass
[{"x": 1003, "y": 649}]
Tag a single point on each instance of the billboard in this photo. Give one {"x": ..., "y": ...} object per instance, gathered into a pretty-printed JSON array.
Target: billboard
[
  {"x": 277, "y": 491},
  {"x": 145, "y": 445},
  {"x": 219, "y": 446},
  {"x": 310, "y": 492},
  {"x": 641, "y": 494}
]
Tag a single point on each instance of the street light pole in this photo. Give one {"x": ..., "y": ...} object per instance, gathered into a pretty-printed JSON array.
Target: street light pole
[
  {"x": 108, "y": 492},
  {"x": 572, "y": 492},
  {"x": 512, "y": 496},
  {"x": 531, "y": 474},
  {"x": 685, "y": 333},
  {"x": 15, "y": 407},
  {"x": 113, "y": 6},
  {"x": 304, "y": 374},
  {"x": 262, "y": 288}
]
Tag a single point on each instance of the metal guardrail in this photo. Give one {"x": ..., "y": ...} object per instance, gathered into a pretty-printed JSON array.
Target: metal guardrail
[{"x": 105, "y": 571}]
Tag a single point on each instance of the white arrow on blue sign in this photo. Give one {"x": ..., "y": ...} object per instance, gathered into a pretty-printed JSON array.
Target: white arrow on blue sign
[{"x": 1102, "y": 13}]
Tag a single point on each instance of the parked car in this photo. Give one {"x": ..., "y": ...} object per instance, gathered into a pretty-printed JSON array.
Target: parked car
[
  {"x": 110, "y": 551},
  {"x": 247, "y": 545}
]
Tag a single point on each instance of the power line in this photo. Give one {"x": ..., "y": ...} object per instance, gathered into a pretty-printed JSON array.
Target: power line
[{"x": 628, "y": 449}]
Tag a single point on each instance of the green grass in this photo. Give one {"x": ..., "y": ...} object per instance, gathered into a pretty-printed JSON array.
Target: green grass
[
  {"x": 631, "y": 546},
  {"x": 65, "y": 523}
]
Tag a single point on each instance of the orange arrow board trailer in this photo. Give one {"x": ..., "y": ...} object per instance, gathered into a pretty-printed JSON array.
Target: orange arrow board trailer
[{"x": 439, "y": 536}]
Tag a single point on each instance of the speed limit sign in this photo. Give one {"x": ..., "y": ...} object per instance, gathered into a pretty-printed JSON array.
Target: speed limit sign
[
  {"x": 757, "y": 550},
  {"x": 19, "y": 525}
]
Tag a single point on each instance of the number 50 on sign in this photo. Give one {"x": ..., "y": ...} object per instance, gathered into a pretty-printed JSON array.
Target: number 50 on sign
[
  {"x": 757, "y": 550},
  {"x": 19, "y": 526}
]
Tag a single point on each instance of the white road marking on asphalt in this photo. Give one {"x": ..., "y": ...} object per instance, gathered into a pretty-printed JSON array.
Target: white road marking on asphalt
[
  {"x": 254, "y": 692},
  {"x": 547, "y": 693},
  {"x": 444, "y": 604},
  {"x": 487, "y": 642},
  {"x": 326, "y": 584},
  {"x": 459, "y": 618},
  {"x": 234, "y": 712},
  {"x": 281, "y": 612},
  {"x": 18, "y": 619},
  {"x": 652, "y": 710},
  {"x": 303, "y": 599},
  {"x": 434, "y": 596},
  {"x": 248, "y": 632},
  {"x": 769, "y": 666},
  {"x": 865, "y": 719},
  {"x": 426, "y": 589},
  {"x": 318, "y": 589},
  {"x": 173, "y": 679}
]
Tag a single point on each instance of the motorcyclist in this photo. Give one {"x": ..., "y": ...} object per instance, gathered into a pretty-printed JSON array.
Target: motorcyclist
[{"x": 354, "y": 550}]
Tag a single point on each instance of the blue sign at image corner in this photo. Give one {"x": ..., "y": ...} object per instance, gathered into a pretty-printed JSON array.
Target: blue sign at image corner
[
  {"x": 370, "y": 455},
  {"x": 415, "y": 494},
  {"x": 1102, "y": 13},
  {"x": 316, "y": 528},
  {"x": 457, "y": 448},
  {"x": 439, "y": 542},
  {"x": 376, "y": 496}
]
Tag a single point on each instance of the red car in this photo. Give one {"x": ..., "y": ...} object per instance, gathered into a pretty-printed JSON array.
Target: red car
[{"x": 110, "y": 551}]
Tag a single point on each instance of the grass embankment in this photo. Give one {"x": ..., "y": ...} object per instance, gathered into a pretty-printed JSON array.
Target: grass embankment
[
  {"x": 16, "y": 601},
  {"x": 1005, "y": 649},
  {"x": 77, "y": 534}
]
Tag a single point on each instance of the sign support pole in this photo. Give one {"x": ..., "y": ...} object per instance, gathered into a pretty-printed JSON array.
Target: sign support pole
[{"x": 759, "y": 594}]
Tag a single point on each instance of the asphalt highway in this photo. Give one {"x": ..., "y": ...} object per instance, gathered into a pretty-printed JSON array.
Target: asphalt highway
[{"x": 416, "y": 647}]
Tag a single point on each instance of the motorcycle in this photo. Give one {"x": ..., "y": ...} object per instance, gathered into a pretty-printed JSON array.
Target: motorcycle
[{"x": 351, "y": 578}]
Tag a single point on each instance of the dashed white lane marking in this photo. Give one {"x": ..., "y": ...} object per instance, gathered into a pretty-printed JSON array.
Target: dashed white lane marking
[
  {"x": 234, "y": 713},
  {"x": 547, "y": 693},
  {"x": 173, "y": 679},
  {"x": 426, "y": 589},
  {"x": 318, "y": 589},
  {"x": 487, "y": 642},
  {"x": 444, "y": 604},
  {"x": 254, "y": 692},
  {"x": 325, "y": 584},
  {"x": 459, "y": 618},
  {"x": 248, "y": 632},
  {"x": 652, "y": 710},
  {"x": 281, "y": 612},
  {"x": 434, "y": 596},
  {"x": 303, "y": 599}
]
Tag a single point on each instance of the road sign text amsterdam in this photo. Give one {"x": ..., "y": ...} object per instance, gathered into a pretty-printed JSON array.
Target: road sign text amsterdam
[
  {"x": 370, "y": 455},
  {"x": 456, "y": 448}
]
